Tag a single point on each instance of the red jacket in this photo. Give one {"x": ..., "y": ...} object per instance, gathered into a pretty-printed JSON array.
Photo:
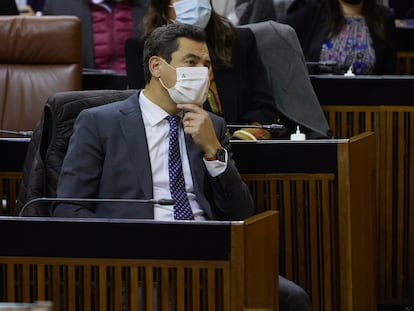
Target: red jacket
[{"x": 111, "y": 26}]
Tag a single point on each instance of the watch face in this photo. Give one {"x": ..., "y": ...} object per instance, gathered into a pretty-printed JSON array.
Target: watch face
[{"x": 221, "y": 155}]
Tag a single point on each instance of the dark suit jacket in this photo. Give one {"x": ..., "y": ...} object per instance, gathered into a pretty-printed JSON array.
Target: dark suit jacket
[
  {"x": 8, "y": 7},
  {"x": 307, "y": 18},
  {"x": 243, "y": 89},
  {"x": 81, "y": 9},
  {"x": 108, "y": 158},
  {"x": 256, "y": 11},
  {"x": 292, "y": 90}
]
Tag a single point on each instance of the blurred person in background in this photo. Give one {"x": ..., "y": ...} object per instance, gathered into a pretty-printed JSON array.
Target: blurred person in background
[
  {"x": 105, "y": 27},
  {"x": 358, "y": 35}
]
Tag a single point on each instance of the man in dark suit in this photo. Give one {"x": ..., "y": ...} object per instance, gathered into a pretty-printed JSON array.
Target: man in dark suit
[{"x": 120, "y": 150}]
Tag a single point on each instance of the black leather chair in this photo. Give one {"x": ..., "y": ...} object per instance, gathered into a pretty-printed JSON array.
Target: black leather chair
[
  {"x": 49, "y": 143},
  {"x": 8, "y": 7}
]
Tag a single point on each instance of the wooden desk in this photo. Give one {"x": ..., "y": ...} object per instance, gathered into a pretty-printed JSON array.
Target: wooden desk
[
  {"x": 97, "y": 264},
  {"x": 384, "y": 105},
  {"x": 405, "y": 35},
  {"x": 310, "y": 184},
  {"x": 325, "y": 193},
  {"x": 12, "y": 154},
  {"x": 405, "y": 46},
  {"x": 372, "y": 91}
]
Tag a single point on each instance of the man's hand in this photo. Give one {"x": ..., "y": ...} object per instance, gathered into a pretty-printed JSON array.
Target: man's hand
[{"x": 197, "y": 124}]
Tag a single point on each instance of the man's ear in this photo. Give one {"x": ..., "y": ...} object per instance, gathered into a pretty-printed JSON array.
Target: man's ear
[{"x": 154, "y": 65}]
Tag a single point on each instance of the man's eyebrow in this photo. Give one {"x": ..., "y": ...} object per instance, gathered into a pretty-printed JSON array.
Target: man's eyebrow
[
  {"x": 190, "y": 56},
  {"x": 194, "y": 56}
]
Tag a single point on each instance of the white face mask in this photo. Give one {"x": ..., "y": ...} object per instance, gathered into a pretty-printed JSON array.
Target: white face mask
[
  {"x": 191, "y": 86},
  {"x": 192, "y": 12}
]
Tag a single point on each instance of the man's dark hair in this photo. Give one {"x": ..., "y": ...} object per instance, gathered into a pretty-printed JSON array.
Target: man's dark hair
[{"x": 163, "y": 42}]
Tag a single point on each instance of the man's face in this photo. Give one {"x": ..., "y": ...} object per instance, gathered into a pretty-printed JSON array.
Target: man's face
[{"x": 190, "y": 53}]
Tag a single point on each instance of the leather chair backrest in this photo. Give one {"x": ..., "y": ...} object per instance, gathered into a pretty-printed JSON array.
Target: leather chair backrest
[
  {"x": 49, "y": 144},
  {"x": 39, "y": 56}
]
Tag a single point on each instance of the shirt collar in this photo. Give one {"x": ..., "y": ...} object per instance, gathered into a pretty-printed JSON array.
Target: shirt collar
[{"x": 152, "y": 112}]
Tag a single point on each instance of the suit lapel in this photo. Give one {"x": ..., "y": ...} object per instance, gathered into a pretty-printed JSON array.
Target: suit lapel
[{"x": 133, "y": 131}]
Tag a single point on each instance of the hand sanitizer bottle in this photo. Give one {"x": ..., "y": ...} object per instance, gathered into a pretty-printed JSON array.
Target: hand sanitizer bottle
[
  {"x": 298, "y": 135},
  {"x": 349, "y": 73}
]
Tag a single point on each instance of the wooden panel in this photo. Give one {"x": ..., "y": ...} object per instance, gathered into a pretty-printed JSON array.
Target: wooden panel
[
  {"x": 12, "y": 155},
  {"x": 356, "y": 223},
  {"x": 308, "y": 230},
  {"x": 405, "y": 62},
  {"x": 326, "y": 219},
  {"x": 244, "y": 279},
  {"x": 9, "y": 187},
  {"x": 394, "y": 128},
  {"x": 261, "y": 253},
  {"x": 98, "y": 284}
]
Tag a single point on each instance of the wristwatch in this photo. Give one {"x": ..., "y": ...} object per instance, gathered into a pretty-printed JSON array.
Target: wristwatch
[{"x": 220, "y": 155}]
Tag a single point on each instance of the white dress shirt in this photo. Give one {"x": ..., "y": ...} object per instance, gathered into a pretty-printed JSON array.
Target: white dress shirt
[{"x": 157, "y": 133}]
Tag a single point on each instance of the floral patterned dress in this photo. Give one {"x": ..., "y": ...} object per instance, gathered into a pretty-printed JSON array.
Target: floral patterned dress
[{"x": 351, "y": 47}]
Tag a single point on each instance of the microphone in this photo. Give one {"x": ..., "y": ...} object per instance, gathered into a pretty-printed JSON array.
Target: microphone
[
  {"x": 18, "y": 133},
  {"x": 87, "y": 200},
  {"x": 322, "y": 63},
  {"x": 270, "y": 127},
  {"x": 321, "y": 67}
]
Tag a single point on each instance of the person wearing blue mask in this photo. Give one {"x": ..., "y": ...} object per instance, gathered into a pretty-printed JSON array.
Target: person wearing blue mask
[
  {"x": 193, "y": 12},
  {"x": 239, "y": 89}
]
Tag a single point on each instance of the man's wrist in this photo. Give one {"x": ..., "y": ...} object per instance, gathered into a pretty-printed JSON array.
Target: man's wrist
[{"x": 219, "y": 154}]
